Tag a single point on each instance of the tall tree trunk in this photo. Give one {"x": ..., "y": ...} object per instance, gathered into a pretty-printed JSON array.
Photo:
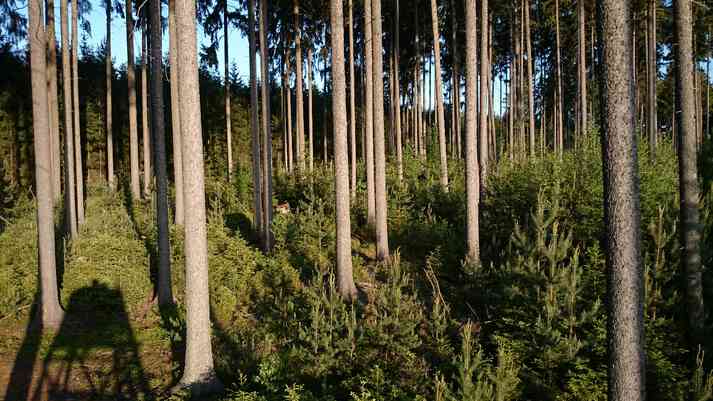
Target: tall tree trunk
[
  {"x": 310, "y": 120},
  {"x": 290, "y": 151},
  {"x": 146, "y": 139},
  {"x": 558, "y": 116},
  {"x": 440, "y": 115},
  {"x": 651, "y": 124},
  {"x": 254, "y": 124},
  {"x": 199, "y": 374},
  {"x": 352, "y": 103},
  {"x": 70, "y": 202},
  {"x": 621, "y": 205},
  {"x": 472, "y": 170},
  {"x": 78, "y": 169},
  {"x": 397, "y": 98},
  {"x": 582, "y": 67},
  {"x": 175, "y": 112},
  {"x": 299, "y": 102},
  {"x": 369, "y": 119},
  {"x": 50, "y": 312},
  {"x": 109, "y": 107},
  {"x": 382, "y": 235},
  {"x": 267, "y": 128},
  {"x": 483, "y": 104},
  {"x": 226, "y": 84},
  {"x": 687, "y": 170},
  {"x": 345, "y": 278},
  {"x": 165, "y": 294},
  {"x": 53, "y": 102},
  {"x": 133, "y": 131},
  {"x": 530, "y": 79}
]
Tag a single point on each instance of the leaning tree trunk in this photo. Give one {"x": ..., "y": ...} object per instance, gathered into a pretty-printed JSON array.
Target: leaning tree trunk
[
  {"x": 78, "y": 169},
  {"x": 687, "y": 170},
  {"x": 53, "y": 102},
  {"x": 472, "y": 170},
  {"x": 254, "y": 127},
  {"x": 345, "y": 278},
  {"x": 50, "y": 311},
  {"x": 382, "y": 235},
  {"x": 440, "y": 115},
  {"x": 267, "y": 129},
  {"x": 199, "y": 374},
  {"x": 165, "y": 294},
  {"x": 70, "y": 203},
  {"x": 299, "y": 102},
  {"x": 369, "y": 118},
  {"x": 175, "y": 113},
  {"x": 109, "y": 108},
  {"x": 146, "y": 148},
  {"x": 133, "y": 131},
  {"x": 621, "y": 205}
]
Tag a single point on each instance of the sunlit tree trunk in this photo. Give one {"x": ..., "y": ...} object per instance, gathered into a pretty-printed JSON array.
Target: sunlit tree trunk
[
  {"x": 109, "y": 107},
  {"x": 369, "y": 119},
  {"x": 70, "y": 203},
  {"x": 382, "y": 236},
  {"x": 199, "y": 374},
  {"x": 621, "y": 205},
  {"x": 50, "y": 311},
  {"x": 53, "y": 102},
  {"x": 582, "y": 67},
  {"x": 483, "y": 146},
  {"x": 267, "y": 128},
  {"x": 687, "y": 170},
  {"x": 439, "y": 98},
  {"x": 472, "y": 170},
  {"x": 78, "y": 169},
  {"x": 146, "y": 148},
  {"x": 352, "y": 103},
  {"x": 397, "y": 98},
  {"x": 133, "y": 130},
  {"x": 175, "y": 112}
]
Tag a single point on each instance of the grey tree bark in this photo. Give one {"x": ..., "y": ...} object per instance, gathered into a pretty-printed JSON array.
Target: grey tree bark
[
  {"x": 352, "y": 103},
  {"x": 621, "y": 205},
  {"x": 440, "y": 115},
  {"x": 78, "y": 169},
  {"x": 109, "y": 107},
  {"x": 472, "y": 170},
  {"x": 199, "y": 374},
  {"x": 345, "y": 278},
  {"x": 165, "y": 293},
  {"x": 397, "y": 99},
  {"x": 369, "y": 117},
  {"x": 582, "y": 67},
  {"x": 70, "y": 203},
  {"x": 652, "y": 123},
  {"x": 175, "y": 113},
  {"x": 687, "y": 170},
  {"x": 50, "y": 311},
  {"x": 53, "y": 102},
  {"x": 299, "y": 102},
  {"x": 254, "y": 124},
  {"x": 382, "y": 235},
  {"x": 267, "y": 128},
  {"x": 131, "y": 82},
  {"x": 483, "y": 104}
]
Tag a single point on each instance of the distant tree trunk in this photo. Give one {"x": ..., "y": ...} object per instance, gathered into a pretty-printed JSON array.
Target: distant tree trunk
[
  {"x": 53, "y": 102},
  {"x": 109, "y": 107},
  {"x": 369, "y": 119},
  {"x": 165, "y": 294},
  {"x": 50, "y": 312},
  {"x": 133, "y": 131},
  {"x": 483, "y": 104},
  {"x": 621, "y": 205},
  {"x": 382, "y": 235},
  {"x": 290, "y": 152},
  {"x": 310, "y": 120},
  {"x": 175, "y": 112},
  {"x": 199, "y": 374},
  {"x": 267, "y": 128},
  {"x": 687, "y": 170},
  {"x": 530, "y": 79},
  {"x": 299, "y": 102},
  {"x": 352, "y": 103},
  {"x": 440, "y": 115},
  {"x": 226, "y": 66},
  {"x": 79, "y": 170},
  {"x": 558, "y": 116},
  {"x": 146, "y": 138},
  {"x": 397, "y": 98},
  {"x": 345, "y": 278},
  {"x": 582, "y": 67},
  {"x": 254, "y": 124},
  {"x": 70, "y": 202},
  {"x": 472, "y": 170}
]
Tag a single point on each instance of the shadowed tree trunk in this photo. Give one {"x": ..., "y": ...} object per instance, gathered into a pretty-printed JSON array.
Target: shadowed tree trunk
[
  {"x": 267, "y": 128},
  {"x": 652, "y": 123},
  {"x": 472, "y": 170},
  {"x": 290, "y": 152},
  {"x": 352, "y": 102},
  {"x": 530, "y": 79},
  {"x": 345, "y": 278},
  {"x": 78, "y": 169},
  {"x": 109, "y": 107},
  {"x": 559, "y": 136},
  {"x": 228, "y": 129},
  {"x": 50, "y": 311},
  {"x": 621, "y": 204},
  {"x": 582, "y": 67},
  {"x": 369, "y": 118},
  {"x": 165, "y": 294},
  {"x": 175, "y": 112},
  {"x": 53, "y": 102},
  {"x": 687, "y": 170},
  {"x": 397, "y": 100},
  {"x": 70, "y": 203},
  {"x": 146, "y": 145},
  {"x": 310, "y": 120},
  {"x": 199, "y": 374},
  {"x": 483, "y": 104},
  {"x": 440, "y": 115},
  {"x": 299, "y": 102},
  {"x": 382, "y": 235},
  {"x": 133, "y": 131},
  {"x": 254, "y": 127}
]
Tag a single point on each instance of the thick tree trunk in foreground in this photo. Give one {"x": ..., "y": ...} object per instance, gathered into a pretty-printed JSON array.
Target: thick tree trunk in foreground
[
  {"x": 70, "y": 203},
  {"x": 472, "y": 171},
  {"x": 440, "y": 115},
  {"x": 109, "y": 107},
  {"x": 175, "y": 113},
  {"x": 267, "y": 129},
  {"x": 687, "y": 170},
  {"x": 345, "y": 278},
  {"x": 133, "y": 130},
  {"x": 53, "y": 102},
  {"x": 382, "y": 235},
  {"x": 165, "y": 294},
  {"x": 621, "y": 205},
  {"x": 78, "y": 169},
  {"x": 369, "y": 118},
  {"x": 50, "y": 312},
  {"x": 254, "y": 124},
  {"x": 199, "y": 374}
]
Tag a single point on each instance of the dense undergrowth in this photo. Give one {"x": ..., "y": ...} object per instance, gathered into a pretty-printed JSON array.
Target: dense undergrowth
[{"x": 528, "y": 323}]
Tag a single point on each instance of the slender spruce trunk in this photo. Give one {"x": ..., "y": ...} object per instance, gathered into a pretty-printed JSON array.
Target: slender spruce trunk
[
  {"x": 267, "y": 129},
  {"x": 369, "y": 126},
  {"x": 472, "y": 171},
  {"x": 382, "y": 235},
  {"x": 109, "y": 107},
  {"x": 440, "y": 115},
  {"x": 175, "y": 113},
  {"x": 254, "y": 124},
  {"x": 70, "y": 203},
  {"x": 53, "y": 103},
  {"x": 146, "y": 137},
  {"x": 78, "y": 169},
  {"x": 131, "y": 82}
]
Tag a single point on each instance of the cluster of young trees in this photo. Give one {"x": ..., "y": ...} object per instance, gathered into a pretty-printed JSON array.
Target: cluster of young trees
[{"x": 474, "y": 47}]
